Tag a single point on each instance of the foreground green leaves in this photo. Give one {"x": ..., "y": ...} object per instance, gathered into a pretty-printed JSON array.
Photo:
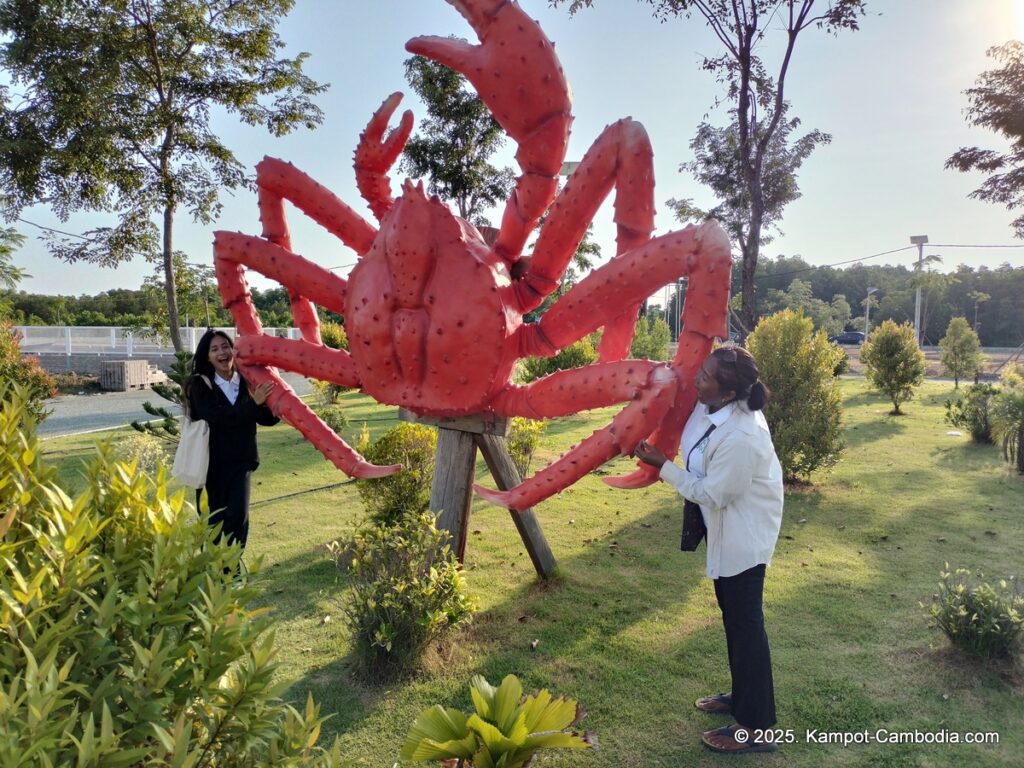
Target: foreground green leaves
[
  {"x": 125, "y": 642},
  {"x": 505, "y": 731}
]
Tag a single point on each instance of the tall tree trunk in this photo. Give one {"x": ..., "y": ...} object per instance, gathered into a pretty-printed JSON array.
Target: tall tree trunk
[
  {"x": 752, "y": 247},
  {"x": 171, "y": 291}
]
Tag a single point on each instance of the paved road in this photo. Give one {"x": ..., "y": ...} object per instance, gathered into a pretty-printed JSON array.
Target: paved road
[{"x": 74, "y": 414}]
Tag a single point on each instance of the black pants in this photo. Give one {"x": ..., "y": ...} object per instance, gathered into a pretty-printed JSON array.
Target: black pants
[
  {"x": 750, "y": 661},
  {"x": 227, "y": 494}
]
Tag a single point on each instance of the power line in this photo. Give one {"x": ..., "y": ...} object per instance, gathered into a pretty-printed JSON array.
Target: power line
[
  {"x": 940, "y": 245},
  {"x": 836, "y": 264}
]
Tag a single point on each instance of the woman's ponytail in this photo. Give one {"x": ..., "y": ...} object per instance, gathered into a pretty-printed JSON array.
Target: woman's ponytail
[{"x": 759, "y": 396}]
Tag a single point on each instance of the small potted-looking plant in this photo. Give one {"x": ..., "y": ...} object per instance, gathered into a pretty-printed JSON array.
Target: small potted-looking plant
[{"x": 505, "y": 730}]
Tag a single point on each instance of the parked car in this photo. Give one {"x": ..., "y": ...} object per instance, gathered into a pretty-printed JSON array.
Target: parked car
[{"x": 848, "y": 337}]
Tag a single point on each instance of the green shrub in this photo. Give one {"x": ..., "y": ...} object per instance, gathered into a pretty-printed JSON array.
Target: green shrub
[
  {"x": 1007, "y": 414},
  {"x": 505, "y": 730},
  {"x": 979, "y": 618},
  {"x": 15, "y": 369},
  {"x": 805, "y": 411},
  {"x": 125, "y": 643},
  {"x": 333, "y": 416},
  {"x": 333, "y": 335},
  {"x": 326, "y": 393},
  {"x": 583, "y": 352},
  {"x": 842, "y": 363},
  {"x": 407, "y": 591},
  {"x": 972, "y": 412},
  {"x": 650, "y": 341},
  {"x": 407, "y": 492},
  {"x": 1012, "y": 376},
  {"x": 521, "y": 439},
  {"x": 960, "y": 351},
  {"x": 148, "y": 450},
  {"x": 893, "y": 363}
]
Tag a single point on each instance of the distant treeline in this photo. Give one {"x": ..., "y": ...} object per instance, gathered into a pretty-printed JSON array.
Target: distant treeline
[
  {"x": 135, "y": 309},
  {"x": 997, "y": 295},
  {"x": 993, "y": 299}
]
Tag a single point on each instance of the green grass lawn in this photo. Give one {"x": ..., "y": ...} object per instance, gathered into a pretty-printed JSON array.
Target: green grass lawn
[{"x": 629, "y": 626}]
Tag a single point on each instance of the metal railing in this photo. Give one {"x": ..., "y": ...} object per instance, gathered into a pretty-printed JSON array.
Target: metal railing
[{"x": 114, "y": 340}]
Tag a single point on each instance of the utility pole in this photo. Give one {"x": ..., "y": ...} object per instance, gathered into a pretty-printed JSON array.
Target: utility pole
[
  {"x": 919, "y": 241},
  {"x": 867, "y": 311}
]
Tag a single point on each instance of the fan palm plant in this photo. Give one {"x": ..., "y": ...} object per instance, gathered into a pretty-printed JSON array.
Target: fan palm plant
[
  {"x": 505, "y": 731},
  {"x": 1008, "y": 424}
]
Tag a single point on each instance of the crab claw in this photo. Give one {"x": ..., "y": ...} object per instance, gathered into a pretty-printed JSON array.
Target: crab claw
[
  {"x": 518, "y": 76},
  {"x": 376, "y": 154},
  {"x": 640, "y": 478}
]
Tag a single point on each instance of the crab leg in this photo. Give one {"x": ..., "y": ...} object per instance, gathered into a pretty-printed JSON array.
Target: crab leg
[
  {"x": 702, "y": 253},
  {"x": 278, "y": 181},
  {"x": 305, "y": 278},
  {"x": 518, "y": 76},
  {"x": 313, "y": 360},
  {"x": 649, "y": 387},
  {"x": 375, "y": 155},
  {"x": 230, "y": 253},
  {"x": 621, "y": 158}
]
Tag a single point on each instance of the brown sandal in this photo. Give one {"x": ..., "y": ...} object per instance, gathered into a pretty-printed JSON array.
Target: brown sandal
[
  {"x": 718, "y": 704},
  {"x": 735, "y": 740}
]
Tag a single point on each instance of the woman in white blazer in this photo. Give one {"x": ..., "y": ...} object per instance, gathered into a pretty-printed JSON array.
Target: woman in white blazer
[{"x": 731, "y": 470}]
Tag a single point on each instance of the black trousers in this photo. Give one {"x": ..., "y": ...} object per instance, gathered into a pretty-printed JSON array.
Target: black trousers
[
  {"x": 227, "y": 494},
  {"x": 750, "y": 662}
]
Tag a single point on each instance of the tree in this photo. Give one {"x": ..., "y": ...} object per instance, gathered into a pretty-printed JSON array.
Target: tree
[
  {"x": 455, "y": 142},
  {"x": 650, "y": 341},
  {"x": 805, "y": 411},
  {"x": 760, "y": 128},
  {"x": 893, "y": 363},
  {"x": 719, "y": 165},
  {"x": 934, "y": 286},
  {"x": 115, "y": 113},
  {"x": 978, "y": 297},
  {"x": 10, "y": 241},
  {"x": 997, "y": 103},
  {"x": 960, "y": 351},
  {"x": 832, "y": 318}
]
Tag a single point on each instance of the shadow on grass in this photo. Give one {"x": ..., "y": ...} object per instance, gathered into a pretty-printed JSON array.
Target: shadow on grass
[{"x": 882, "y": 428}]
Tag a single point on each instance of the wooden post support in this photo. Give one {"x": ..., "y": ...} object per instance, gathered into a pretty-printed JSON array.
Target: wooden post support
[
  {"x": 455, "y": 467},
  {"x": 451, "y": 494},
  {"x": 505, "y": 474}
]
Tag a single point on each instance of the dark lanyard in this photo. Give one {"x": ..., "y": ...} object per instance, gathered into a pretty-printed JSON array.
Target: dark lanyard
[{"x": 697, "y": 444}]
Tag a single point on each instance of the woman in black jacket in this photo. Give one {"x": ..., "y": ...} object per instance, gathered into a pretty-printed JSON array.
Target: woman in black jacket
[{"x": 217, "y": 394}]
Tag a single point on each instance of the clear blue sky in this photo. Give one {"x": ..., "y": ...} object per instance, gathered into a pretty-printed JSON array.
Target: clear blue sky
[{"x": 891, "y": 95}]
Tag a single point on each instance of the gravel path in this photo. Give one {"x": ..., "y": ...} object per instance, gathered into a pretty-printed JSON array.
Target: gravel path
[{"x": 74, "y": 414}]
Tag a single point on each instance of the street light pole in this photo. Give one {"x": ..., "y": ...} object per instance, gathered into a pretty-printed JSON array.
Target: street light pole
[
  {"x": 919, "y": 241},
  {"x": 867, "y": 311}
]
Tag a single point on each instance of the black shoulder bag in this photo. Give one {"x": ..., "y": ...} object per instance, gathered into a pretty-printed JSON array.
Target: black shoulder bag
[{"x": 694, "y": 529}]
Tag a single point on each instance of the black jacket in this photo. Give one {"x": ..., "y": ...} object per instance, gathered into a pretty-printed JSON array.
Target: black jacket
[{"x": 232, "y": 427}]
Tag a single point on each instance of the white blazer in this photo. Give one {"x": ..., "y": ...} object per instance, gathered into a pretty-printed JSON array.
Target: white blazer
[{"x": 737, "y": 481}]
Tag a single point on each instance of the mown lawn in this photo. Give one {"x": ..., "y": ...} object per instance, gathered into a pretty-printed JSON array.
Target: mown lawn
[{"x": 629, "y": 626}]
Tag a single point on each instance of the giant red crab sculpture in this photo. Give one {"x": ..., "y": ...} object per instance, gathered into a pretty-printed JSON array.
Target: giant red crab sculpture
[{"x": 435, "y": 316}]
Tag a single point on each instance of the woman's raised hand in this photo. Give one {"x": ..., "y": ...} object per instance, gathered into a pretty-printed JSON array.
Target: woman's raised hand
[
  {"x": 649, "y": 454},
  {"x": 262, "y": 392}
]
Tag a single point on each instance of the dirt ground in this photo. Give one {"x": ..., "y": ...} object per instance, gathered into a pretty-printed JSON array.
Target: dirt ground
[{"x": 994, "y": 357}]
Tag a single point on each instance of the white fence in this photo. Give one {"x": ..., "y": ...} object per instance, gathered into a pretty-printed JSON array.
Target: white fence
[{"x": 103, "y": 340}]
